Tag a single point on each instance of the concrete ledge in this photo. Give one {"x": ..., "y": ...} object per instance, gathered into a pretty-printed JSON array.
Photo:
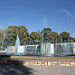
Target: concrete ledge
[
  {"x": 72, "y": 63},
  {"x": 36, "y": 63},
  {"x": 48, "y": 63}
]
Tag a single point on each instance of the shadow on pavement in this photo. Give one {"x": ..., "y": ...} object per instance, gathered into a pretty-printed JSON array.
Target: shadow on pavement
[
  {"x": 13, "y": 67},
  {"x": 5, "y": 56},
  {"x": 6, "y": 69}
]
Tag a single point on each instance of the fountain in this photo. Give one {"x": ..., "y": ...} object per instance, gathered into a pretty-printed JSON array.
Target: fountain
[
  {"x": 17, "y": 45},
  {"x": 19, "y": 49},
  {"x": 45, "y": 49},
  {"x": 55, "y": 48},
  {"x": 64, "y": 47}
]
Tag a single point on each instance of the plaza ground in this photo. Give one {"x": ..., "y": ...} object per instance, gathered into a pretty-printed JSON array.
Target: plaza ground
[
  {"x": 6, "y": 69},
  {"x": 39, "y": 58},
  {"x": 35, "y": 70}
]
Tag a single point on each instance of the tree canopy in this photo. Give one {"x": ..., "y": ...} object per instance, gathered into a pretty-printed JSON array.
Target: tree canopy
[
  {"x": 65, "y": 36},
  {"x": 46, "y": 29},
  {"x": 50, "y": 36},
  {"x": 1, "y": 34},
  {"x": 36, "y": 37},
  {"x": 9, "y": 35},
  {"x": 12, "y": 32}
]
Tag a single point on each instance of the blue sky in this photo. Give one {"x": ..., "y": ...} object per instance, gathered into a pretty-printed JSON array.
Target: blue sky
[{"x": 59, "y": 15}]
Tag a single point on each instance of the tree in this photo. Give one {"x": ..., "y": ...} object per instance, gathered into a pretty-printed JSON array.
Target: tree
[
  {"x": 50, "y": 36},
  {"x": 23, "y": 34},
  {"x": 36, "y": 37},
  {"x": 71, "y": 39},
  {"x": 1, "y": 37},
  {"x": 1, "y": 34},
  {"x": 58, "y": 39},
  {"x": 46, "y": 29},
  {"x": 54, "y": 34},
  {"x": 12, "y": 32},
  {"x": 65, "y": 36},
  {"x": 10, "y": 37}
]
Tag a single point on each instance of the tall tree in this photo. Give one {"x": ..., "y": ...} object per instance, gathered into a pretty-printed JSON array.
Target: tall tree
[
  {"x": 1, "y": 34},
  {"x": 36, "y": 37},
  {"x": 46, "y": 29},
  {"x": 50, "y": 36},
  {"x": 23, "y": 34},
  {"x": 12, "y": 32},
  {"x": 65, "y": 36}
]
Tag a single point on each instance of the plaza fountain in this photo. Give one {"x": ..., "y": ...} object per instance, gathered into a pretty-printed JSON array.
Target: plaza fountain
[
  {"x": 44, "y": 49},
  {"x": 17, "y": 45}
]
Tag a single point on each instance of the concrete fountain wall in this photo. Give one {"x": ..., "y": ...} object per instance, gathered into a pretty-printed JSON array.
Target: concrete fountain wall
[
  {"x": 46, "y": 49},
  {"x": 74, "y": 48},
  {"x": 22, "y": 49}
]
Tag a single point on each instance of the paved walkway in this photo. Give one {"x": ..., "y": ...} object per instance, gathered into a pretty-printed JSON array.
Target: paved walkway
[
  {"x": 53, "y": 70},
  {"x": 35, "y": 70}
]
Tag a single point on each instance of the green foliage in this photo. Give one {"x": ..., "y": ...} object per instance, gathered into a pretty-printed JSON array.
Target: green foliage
[
  {"x": 36, "y": 37},
  {"x": 59, "y": 39},
  {"x": 50, "y": 36},
  {"x": 9, "y": 36},
  {"x": 12, "y": 32},
  {"x": 46, "y": 29},
  {"x": 65, "y": 36},
  {"x": 71, "y": 39},
  {"x": 1, "y": 34},
  {"x": 54, "y": 34},
  {"x": 23, "y": 34}
]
